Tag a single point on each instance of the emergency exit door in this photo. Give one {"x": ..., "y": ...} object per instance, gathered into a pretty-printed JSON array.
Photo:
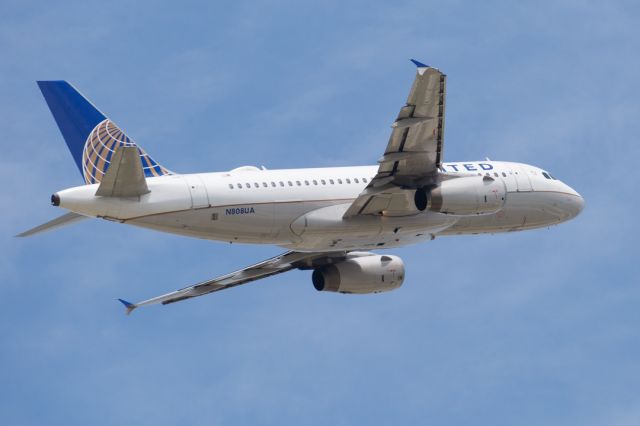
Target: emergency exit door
[{"x": 198, "y": 190}]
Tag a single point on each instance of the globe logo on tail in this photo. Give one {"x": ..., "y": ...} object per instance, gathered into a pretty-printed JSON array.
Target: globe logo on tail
[{"x": 102, "y": 142}]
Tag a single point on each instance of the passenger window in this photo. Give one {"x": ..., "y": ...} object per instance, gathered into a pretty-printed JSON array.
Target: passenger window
[
  {"x": 248, "y": 185},
  {"x": 281, "y": 183},
  {"x": 356, "y": 180},
  {"x": 496, "y": 174},
  {"x": 504, "y": 174},
  {"x": 331, "y": 181},
  {"x": 348, "y": 180},
  {"x": 315, "y": 182},
  {"x": 240, "y": 185},
  {"x": 298, "y": 183},
  {"x": 256, "y": 184},
  {"x": 340, "y": 181},
  {"x": 306, "y": 182},
  {"x": 230, "y": 186},
  {"x": 273, "y": 184},
  {"x": 264, "y": 184},
  {"x": 290, "y": 184},
  {"x": 364, "y": 180},
  {"x": 324, "y": 182}
]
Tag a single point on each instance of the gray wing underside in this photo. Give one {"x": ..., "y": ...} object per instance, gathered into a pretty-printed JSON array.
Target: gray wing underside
[
  {"x": 414, "y": 151},
  {"x": 273, "y": 266},
  {"x": 416, "y": 143}
]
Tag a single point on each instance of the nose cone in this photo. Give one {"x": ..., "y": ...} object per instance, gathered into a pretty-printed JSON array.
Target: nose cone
[
  {"x": 578, "y": 203},
  {"x": 575, "y": 203}
]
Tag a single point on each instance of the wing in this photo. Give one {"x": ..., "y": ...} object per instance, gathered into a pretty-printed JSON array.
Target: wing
[
  {"x": 414, "y": 151},
  {"x": 273, "y": 266}
]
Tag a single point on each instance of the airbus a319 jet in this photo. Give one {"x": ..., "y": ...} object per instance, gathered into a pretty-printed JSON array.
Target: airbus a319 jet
[{"x": 328, "y": 219}]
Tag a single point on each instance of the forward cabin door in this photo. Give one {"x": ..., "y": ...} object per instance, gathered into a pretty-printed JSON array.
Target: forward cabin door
[
  {"x": 522, "y": 179},
  {"x": 198, "y": 190}
]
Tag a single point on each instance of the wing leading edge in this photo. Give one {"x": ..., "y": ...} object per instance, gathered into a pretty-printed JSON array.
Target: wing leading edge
[
  {"x": 414, "y": 151},
  {"x": 273, "y": 266}
]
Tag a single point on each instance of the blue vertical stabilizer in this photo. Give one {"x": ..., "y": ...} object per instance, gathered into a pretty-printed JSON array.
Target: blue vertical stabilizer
[
  {"x": 76, "y": 117},
  {"x": 91, "y": 137}
]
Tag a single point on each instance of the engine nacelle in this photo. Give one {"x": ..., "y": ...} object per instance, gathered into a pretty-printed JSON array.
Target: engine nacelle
[
  {"x": 406, "y": 202},
  {"x": 364, "y": 274},
  {"x": 472, "y": 195}
]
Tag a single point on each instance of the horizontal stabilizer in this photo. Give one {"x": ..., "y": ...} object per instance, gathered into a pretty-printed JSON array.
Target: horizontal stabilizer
[
  {"x": 125, "y": 177},
  {"x": 58, "y": 222}
]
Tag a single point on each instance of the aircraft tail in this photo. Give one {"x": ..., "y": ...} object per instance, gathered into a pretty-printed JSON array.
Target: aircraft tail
[{"x": 91, "y": 137}]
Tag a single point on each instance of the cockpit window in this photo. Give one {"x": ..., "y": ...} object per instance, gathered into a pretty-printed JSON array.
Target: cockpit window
[{"x": 546, "y": 175}]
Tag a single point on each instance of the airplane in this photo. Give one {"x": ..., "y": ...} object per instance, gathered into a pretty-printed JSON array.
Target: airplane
[{"x": 328, "y": 219}]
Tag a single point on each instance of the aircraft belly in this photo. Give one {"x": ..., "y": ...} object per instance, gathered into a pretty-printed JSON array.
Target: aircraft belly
[
  {"x": 260, "y": 223},
  {"x": 326, "y": 230}
]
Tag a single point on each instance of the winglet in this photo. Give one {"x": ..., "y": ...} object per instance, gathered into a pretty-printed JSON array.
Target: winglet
[
  {"x": 130, "y": 306},
  {"x": 419, "y": 64}
]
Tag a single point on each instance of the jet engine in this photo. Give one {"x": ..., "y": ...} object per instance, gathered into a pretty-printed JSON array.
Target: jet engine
[
  {"x": 472, "y": 195},
  {"x": 370, "y": 273}
]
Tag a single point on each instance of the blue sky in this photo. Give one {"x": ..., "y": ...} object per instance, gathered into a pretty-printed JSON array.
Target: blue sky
[{"x": 526, "y": 328}]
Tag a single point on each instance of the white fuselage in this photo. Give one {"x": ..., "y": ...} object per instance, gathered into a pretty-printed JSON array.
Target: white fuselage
[{"x": 302, "y": 209}]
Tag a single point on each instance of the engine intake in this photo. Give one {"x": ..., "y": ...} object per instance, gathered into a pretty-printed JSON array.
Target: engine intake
[
  {"x": 369, "y": 273},
  {"x": 421, "y": 199}
]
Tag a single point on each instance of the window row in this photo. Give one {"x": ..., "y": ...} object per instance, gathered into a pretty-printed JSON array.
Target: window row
[
  {"x": 314, "y": 182},
  {"x": 495, "y": 174}
]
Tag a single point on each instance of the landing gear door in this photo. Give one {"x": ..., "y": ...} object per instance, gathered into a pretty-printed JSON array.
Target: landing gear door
[
  {"x": 199, "y": 198},
  {"x": 522, "y": 180}
]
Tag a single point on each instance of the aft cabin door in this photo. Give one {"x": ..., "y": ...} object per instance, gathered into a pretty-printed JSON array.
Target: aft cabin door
[
  {"x": 199, "y": 198},
  {"x": 522, "y": 179}
]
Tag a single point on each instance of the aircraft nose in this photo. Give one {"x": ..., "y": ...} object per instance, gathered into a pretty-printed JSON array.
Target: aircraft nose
[{"x": 576, "y": 203}]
